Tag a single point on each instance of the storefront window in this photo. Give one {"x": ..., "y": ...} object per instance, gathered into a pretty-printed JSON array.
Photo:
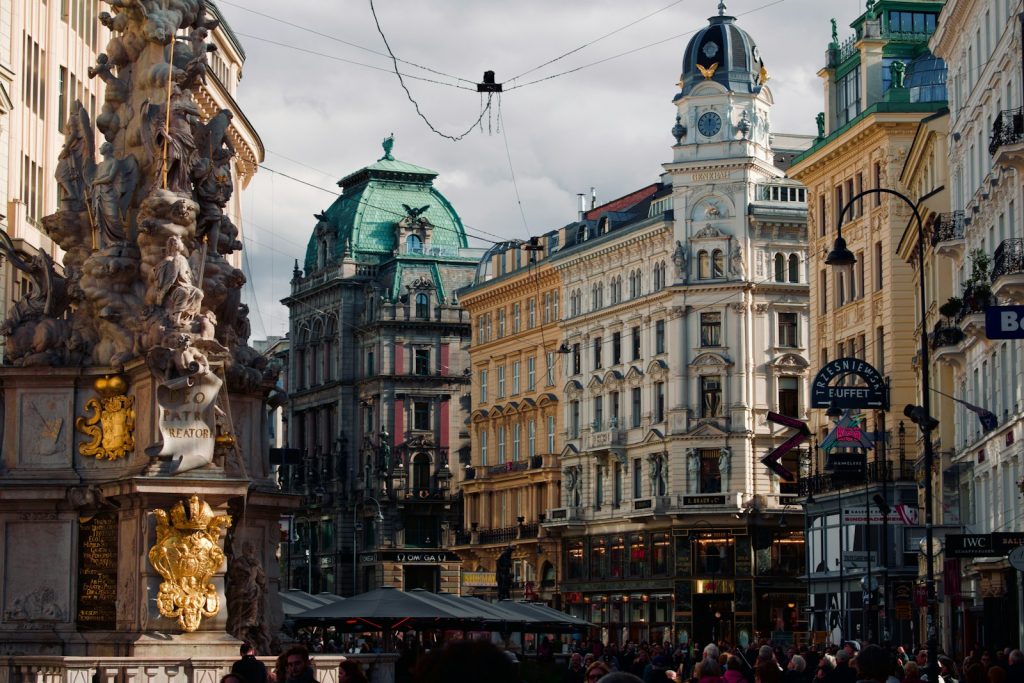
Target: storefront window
[
  {"x": 788, "y": 555},
  {"x": 659, "y": 554},
  {"x": 575, "y": 564},
  {"x": 715, "y": 554},
  {"x": 599, "y": 559},
  {"x": 618, "y": 557},
  {"x": 637, "y": 555}
]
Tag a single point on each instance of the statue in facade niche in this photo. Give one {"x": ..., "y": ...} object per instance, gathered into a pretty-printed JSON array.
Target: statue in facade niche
[
  {"x": 693, "y": 471},
  {"x": 736, "y": 266},
  {"x": 680, "y": 258},
  {"x": 725, "y": 467},
  {"x": 898, "y": 73}
]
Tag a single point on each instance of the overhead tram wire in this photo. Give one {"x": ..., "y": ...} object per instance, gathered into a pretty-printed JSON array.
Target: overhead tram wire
[
  {"x": 629, "y": 52},
  {"x": 454, "y": 138},
  {"x": 343, "y": 42},
  {"x": 512, "y": 172},
  {"x": 352, "y": 62},
  {"x": 595, "y": 40}
]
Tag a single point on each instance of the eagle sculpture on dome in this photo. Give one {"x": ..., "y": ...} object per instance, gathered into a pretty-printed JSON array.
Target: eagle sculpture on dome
[
  {"x": 414, "y": 213},
  {"x": 707, "y": 71}
]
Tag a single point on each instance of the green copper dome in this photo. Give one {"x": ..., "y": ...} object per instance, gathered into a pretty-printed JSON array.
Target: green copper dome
[{"x": 373, "y": 200}]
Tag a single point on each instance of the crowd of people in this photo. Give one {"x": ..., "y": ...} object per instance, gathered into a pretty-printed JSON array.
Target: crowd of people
[{"x": 469, "y": 661}]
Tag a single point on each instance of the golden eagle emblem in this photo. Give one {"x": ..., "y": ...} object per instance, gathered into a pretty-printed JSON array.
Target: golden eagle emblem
[{"x": 707, "y": 71}]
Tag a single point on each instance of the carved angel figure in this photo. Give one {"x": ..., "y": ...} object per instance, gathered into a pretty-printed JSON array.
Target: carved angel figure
[
  {"x": 176, "y": 281},
  {"x": 75, "y": 163}
]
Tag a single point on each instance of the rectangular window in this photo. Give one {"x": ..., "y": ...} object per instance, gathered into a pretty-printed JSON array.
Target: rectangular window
[
  {"x": 516, "y": 317},
  {"x": 822, "y": 226},
  {"x": 370, "y": 364},
  {"x": 616, "y": 348},
  {"x": 597, "y": 354},
  {"x": 659, "y": 336},
  {"x": 574, "y": 419},
  {"x": 789, "y": 399},
  {"x": 613, "y": 408},
  {"x": 483, "y": 386},
  {"x": 515, "y": 377},
  {"x": 517, "y": 433},
  {"x": 878, "y": 266},
  {"x": 848, "y": 99},
  {"x": 531, "y": 438},
  {"x": 598, "y": 487},
  {"x": 598, "y": 413},
  {"x": 547, "y": 308},
  {"x": 852, "y": 213},
  {"x": 637, "y": 405},
  {"x": 878, "y": 183},
  {"x": 787, "y": 330},
  {"x": 531, "y": 373},
  {"x": 62, "y": 98},
  {"x": 860, "y": 188},
  {"x": 554, "y": 305},
  {"x": 711, "y": 396},
  {"x": 617, "y": 484},
  {"x": 501, "y": 323},
  {"x": 710, "y": 329},
  {"x": 710, "y": 472},
  {"x": 635, "y": 343},
  {"x": 421, "y": 361},
  {"x": 822, "y": 296},
  {"x": 549, "y": 359},
  {"x": 638, "y": 481},
  {"x": 659, "y": 402},
  {"x": 501, "y": 381},
  {"x": 501, "y": 444},
  {"x": 577, "y": 365},
  {"x": 880, "y": 349},
  {"x": 531, "y": 313},
  {"x": 551, "y": 433},
  {"x": 421, "y": 416}
]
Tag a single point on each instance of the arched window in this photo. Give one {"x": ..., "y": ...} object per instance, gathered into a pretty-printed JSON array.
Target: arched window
[
  {"x": 421, "y": 472},
  {"x": 413, "y": 244},
  {"x": 422, "y": 305},
  {"x": 717, "y": 263},
  {"x": 794, "y": 268},
  {"x": 704, "y": 265},
  {"x": 780, "y": 268}
]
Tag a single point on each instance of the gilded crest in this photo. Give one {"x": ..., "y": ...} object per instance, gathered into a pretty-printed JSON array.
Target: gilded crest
[
  {"x": 111, "y": 426},
  {"x": 187, "y": 554}
]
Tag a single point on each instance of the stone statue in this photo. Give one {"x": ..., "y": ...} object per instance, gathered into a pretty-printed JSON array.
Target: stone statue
[
  {"x": 835, "y": 33},
  {"x": 657, "y": 474},
  {"x": 503, "y": 574},
  {"x": 680, "y": 258},
  {"x": 384, "y": 450},
  {"x": 572, "y": 486},
  {"x": 743, "y": 125},
  {"x": 35, "y": 330},
  {"x": 736, "y": 266},
  {"x": 246, "y": 593},
  {"x": 820, "y": 120},
  {"x": 76, "y": 164},
  {"x": 870, "y": 9},
  {"x": 111, "y": 191},
  {"x": 116, "y": 94},
  {"x": 176, "y": 281},
  {"x": 693, "y": 471},
  {"x": 805, "y": 465},
  {"x": 897, "y": 72},
  {"x": 725, "y": 467}
]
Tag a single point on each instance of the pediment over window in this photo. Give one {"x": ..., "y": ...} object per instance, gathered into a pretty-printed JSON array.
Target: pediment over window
[
  {"x": 569, "y": 451},
  {"x": 547, "y": 399},
  {"x": 790, "y": 361},
  {"x": 634, "y": 375},
  {"x": 573, "y": 389},
  {"x": 613, "y": 378},
  {"x": 653, "y": 436},
  {"x": 479, "y": 415},
  {"x": 595, "y": 383},
  {"x": 706, "y": 429},
  {"x": 658, "y": 369},
  {"x": 511, "y": 409},
  {"x": 710, "y": 359}
]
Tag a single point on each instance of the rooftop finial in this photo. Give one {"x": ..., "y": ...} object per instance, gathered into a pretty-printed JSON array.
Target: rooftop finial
[
  {"x": 721, "y": 8},
  {"x": 388, "y": 143}
]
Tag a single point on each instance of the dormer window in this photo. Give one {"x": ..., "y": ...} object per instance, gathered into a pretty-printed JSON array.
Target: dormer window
[
  {"x": 422, "y": 305},
  {"x": 413, "y": 244}
]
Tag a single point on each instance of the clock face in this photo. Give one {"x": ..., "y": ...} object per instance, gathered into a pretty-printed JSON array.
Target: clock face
[{"x": 709, "y": 124}]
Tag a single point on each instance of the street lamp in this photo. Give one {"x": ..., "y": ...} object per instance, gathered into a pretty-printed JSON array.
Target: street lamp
[
  {"x": 841, "y": 256},
  {"x": 355, "y": 528}
]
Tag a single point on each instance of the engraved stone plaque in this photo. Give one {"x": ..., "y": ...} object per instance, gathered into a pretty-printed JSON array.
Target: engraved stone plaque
[{"x": 97, "y": 572}]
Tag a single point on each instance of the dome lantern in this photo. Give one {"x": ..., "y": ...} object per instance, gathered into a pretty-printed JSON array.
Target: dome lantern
[{"x": 724, "y": 53}]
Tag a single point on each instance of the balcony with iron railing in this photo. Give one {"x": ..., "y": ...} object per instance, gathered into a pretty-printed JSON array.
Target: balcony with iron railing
[
  {"x": 876, "y": 473},
  {"x": 1008, "y": 270},
  {"x": 947, "y": 234},
  {"x": 944, "y": 334},
  {"x": 1007, "y": 129}
]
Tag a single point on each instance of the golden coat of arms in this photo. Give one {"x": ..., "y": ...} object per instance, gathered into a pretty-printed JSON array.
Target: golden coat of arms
[
  {"x": 111, "y": 427},
  {"x": 187, "y": 554}
]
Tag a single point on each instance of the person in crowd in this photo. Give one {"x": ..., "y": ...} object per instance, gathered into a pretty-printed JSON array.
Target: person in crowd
[
  {"x": 297, "y": 666},
  {"x": 843, "y": 673},
  {"x": 575, "y": 673},
  {"x": 349, "y": 671},
  {"x": 248, "y": 667},
  {"x": 872, "y": 665},
  {"x": 1015, "y": 671},
  {"x": 658, "y": 670},
  {"x": 912, "y": 673},
  {"x": 596, "y": 671},
  {"x": 733, "y": 670},
  {"x": 468, "y": 661},
  {"x": 796, "y": 671}
]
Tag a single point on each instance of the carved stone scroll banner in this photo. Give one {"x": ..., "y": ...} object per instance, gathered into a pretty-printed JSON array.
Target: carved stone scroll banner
[
  {"x": 187, "y": 423},
  {"x": 187, "y": 554}
]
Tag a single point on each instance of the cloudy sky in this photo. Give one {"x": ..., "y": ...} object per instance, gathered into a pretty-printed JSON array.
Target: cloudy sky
[{"x": 319, "y": 88}]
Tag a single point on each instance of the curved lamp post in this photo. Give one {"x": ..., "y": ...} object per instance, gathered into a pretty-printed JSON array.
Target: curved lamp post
[
  {"x": 842, "y": 256},
  {"x": 355, "y": 535}
]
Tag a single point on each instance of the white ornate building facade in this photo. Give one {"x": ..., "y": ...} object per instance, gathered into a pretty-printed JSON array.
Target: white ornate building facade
[
  {"x": 685, "y": 323},
  {"x": 982, "y": 242}
]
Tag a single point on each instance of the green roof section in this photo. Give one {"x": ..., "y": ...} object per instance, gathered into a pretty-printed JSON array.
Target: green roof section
[{"x": 378, "y": 196}]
